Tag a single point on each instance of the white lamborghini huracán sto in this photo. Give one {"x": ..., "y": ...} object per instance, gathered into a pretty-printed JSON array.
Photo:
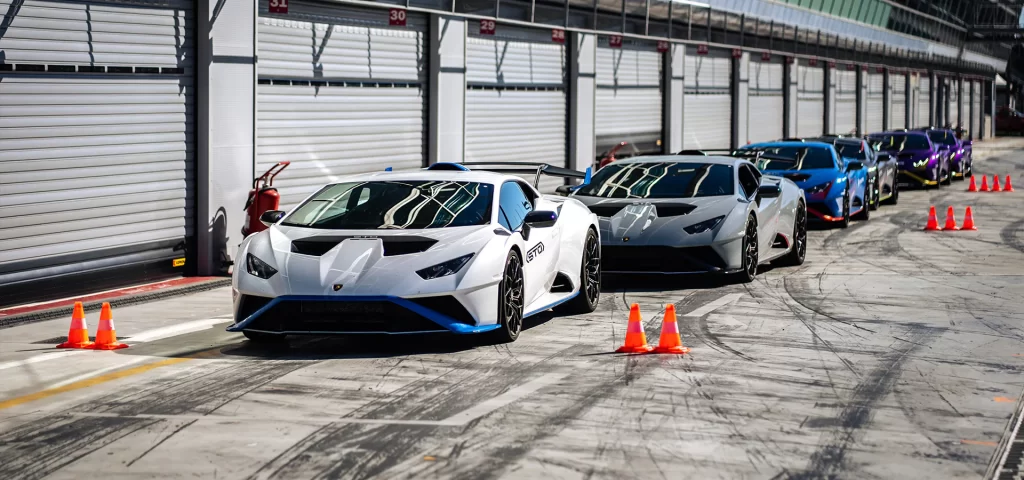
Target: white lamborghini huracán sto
[{"x": 441, "y": 249}]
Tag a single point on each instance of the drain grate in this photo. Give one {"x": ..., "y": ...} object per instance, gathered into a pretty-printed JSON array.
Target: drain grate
[
  {"x": 1011, "y": 466},
  {"x": 59, "y": 340}
]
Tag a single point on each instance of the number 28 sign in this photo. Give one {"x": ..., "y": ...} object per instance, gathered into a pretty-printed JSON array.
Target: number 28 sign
[{"x": 278, "y": 6}]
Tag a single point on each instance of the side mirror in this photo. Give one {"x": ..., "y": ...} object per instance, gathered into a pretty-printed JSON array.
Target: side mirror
[
  {"x": 769, "y": 191},
  {"x": 854, "y": 166},
  {"x": 968, "y": 143},
  {"x": 271, "y": 217},
  {"x": 541, "y": 219},
  {"x": 564, "y": 190}
]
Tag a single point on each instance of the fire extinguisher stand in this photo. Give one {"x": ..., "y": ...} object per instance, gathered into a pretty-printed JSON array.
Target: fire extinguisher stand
[{"x": 262, "y": 198}]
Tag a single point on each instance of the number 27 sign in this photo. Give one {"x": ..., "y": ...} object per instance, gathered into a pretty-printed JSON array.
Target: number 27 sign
[{"x": 278, "y": 6}]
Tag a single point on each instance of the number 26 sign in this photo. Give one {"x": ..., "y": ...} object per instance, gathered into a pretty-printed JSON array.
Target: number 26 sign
[{"x": 278, "y": 6}]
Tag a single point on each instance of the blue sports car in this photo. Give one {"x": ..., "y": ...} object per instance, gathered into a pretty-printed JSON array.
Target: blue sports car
[{"x": 835, "y": 187}]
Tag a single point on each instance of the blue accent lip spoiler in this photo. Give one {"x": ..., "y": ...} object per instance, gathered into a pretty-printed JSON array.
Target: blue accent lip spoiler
[{"x": 439, "y": 318}]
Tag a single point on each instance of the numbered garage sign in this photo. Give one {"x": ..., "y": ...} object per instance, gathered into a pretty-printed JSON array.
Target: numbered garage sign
[
  {"x": 278, "y": 6},
  {"x": 615, "y": 41},
  {"x": 487, "y": 27},
  {"x": 702, "y": 49},
  {"x": 558, "y": 35},
  {"x": 662, "y": 46},
  {"x": 396, "y": 17}
]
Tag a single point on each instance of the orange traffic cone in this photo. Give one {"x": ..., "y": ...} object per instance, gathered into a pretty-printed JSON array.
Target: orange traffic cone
[
  {"x": 950, "y": 225},
  {"x": 933, "y": 220},
  {"x": 78, "y": 334},
  {"x": 1009, "y": 186},
  {"x": 636, "y": 339},
  {"x": 106, "y": 337},
  {"x": 995, "y": 183},
  {"x": 670, "y": 342},
  {"x": 984, "y": 184},
  {"x": 968, "y": 220},
  {"x": 972, "y": 187}
]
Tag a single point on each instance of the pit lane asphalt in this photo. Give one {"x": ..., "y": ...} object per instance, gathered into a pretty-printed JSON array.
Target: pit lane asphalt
[{"x": 892, "y": 353}]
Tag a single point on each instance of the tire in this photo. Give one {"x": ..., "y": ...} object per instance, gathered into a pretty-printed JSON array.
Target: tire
[
  {"x": 749, "y": 254},
  {"x": 510, "y": 300},
  {"x": 876, "y": 193},
  {"x": 845, "y": 223},
  {"x": 798, "y": 253},
  {"x": 895, "y": 197},
  {"x": 948, "y": 180},
  {"x": 590, "y": 279},
  {"x": 264, "y": 338}
]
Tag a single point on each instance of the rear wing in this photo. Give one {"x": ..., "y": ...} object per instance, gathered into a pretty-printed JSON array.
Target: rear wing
[{"x": 520, "y": 168}]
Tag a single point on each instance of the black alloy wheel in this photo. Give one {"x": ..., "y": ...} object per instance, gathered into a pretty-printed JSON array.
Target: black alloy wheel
[
  {"x": 798, "y": 253},
  {"x": 749, "y": 267},
  {"x": 510, "y": 300},
  {"x": 590, "y": 278},
  {"x": 845, "y": 222},
  {"x": 876, "y": 193},
  {"x": 894, "y": 198}
]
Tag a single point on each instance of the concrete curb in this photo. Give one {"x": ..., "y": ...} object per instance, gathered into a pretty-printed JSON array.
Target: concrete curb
[{"x": 121, "y": 301}]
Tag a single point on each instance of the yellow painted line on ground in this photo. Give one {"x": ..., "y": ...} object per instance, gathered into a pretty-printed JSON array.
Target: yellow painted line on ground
[
  {"x": 1004, "y": 400},
  {"x": 89, "y": 382},
  {"x": 979, "y": 442}
]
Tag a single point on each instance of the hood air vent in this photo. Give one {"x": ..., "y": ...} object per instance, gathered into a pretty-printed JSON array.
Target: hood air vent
[
  {"x": 664, "y": 209},
  {"x": 796, "y": 177},
  {"x": 605, "y": 210},
  {"x": 397, "y": 245}
]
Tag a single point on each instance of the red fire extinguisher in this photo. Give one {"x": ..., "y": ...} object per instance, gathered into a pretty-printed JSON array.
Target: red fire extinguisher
[{"x": 262, "y": 198}]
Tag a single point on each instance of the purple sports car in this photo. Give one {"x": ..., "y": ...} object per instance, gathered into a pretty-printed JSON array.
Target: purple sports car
[{"x": 921, "y": 161}]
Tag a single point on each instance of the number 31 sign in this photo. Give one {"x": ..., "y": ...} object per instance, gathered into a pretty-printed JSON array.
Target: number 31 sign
[{"x": 278, "y": 6}]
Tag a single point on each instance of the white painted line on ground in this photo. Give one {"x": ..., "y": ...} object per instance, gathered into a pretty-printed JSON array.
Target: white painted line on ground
[
  {"x": 38, "y": 358},
  {"x": 711, "y": 306},
  {"x": 147, "y": 336},
  {"x": 504, "y": 399}
]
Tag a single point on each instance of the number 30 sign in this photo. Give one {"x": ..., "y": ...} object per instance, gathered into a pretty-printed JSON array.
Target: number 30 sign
[
  {"x": 396, "y": 17},
  {"x": 278, "y": 6}
]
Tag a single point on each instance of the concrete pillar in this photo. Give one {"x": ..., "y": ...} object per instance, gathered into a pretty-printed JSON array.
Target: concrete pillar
[
  {"x": 446, "y": 117},
  {"x": 830, "y": 98},
  {"x": 933, "y": 95},
  {"x": 960, "y": 108},
  {"x": 991, "y": 107},
  {"x": 740, "y": 92},
  {"x": 582, "y": 100},
  {"x": 910, "y": 105},
  {"x": 225, "y": 128},
  {"x": 673, "y": 73},
  {"x": 886, "y": 101},
  {"x": 790, "y": 82},
  {"x": 862, "y": 100}
]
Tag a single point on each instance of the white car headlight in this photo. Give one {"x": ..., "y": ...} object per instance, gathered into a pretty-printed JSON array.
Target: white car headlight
[
  {"x": 704, "y": 226},
  {"x": 258, "y": 268},
  {"x": 444, "y": 269}
]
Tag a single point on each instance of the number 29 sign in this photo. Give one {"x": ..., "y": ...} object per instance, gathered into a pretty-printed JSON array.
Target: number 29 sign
[{"x": 278, "y": 6}]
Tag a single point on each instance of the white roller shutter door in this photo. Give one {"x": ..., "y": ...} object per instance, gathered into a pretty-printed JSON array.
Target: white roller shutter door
[
  {"x": 898, "y": 101},
  {"x": 707, "y": 103},
  {"x": 340, "y": 93},
  {"x": 96, "y": 136},
  {"x": 764, "y": 101},
  {"x": 875, "y": 102},
  {"x": 924, "y": 96},
  {"x": 516, "y": 99},
  {"x": 810, "y": 103},
  {"x": 629, "y": 102},
  {"x": 845, "y": 115}
]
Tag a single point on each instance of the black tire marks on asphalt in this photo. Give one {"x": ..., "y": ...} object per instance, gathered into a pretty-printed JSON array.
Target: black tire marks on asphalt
[
  {"x": 41, "y": 447},
  {"x": 1012, "y": 235},
  {"x": 829, "y": 460}
]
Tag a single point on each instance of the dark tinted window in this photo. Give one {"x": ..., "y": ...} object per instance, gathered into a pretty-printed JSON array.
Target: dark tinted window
[
  {"x": 395, "y": 204},
  {"x": 942, "y": 136},
  {"x": 660, "y": 180},
  {"x": 514, "y": 206},
  {"x": 851, "y": 150},
  {"x": 796, "y": 158},
  {"x": 900, "y": 141},
  {"x": 749, "y": 180}
]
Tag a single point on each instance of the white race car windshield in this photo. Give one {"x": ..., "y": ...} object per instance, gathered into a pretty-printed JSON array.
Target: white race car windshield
[
  {"x": 395, "y": 204},
  {"x": 660, "y": 180}
]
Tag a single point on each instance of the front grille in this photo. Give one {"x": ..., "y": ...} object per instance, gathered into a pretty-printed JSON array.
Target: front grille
[
  {"x": 819, "y": 207},
  {"x": 447, "y": 305},
  {"x": 341, "y": 317},
  {"x": 249, "y": 304},
  {"x": 660, "y": 259}
]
